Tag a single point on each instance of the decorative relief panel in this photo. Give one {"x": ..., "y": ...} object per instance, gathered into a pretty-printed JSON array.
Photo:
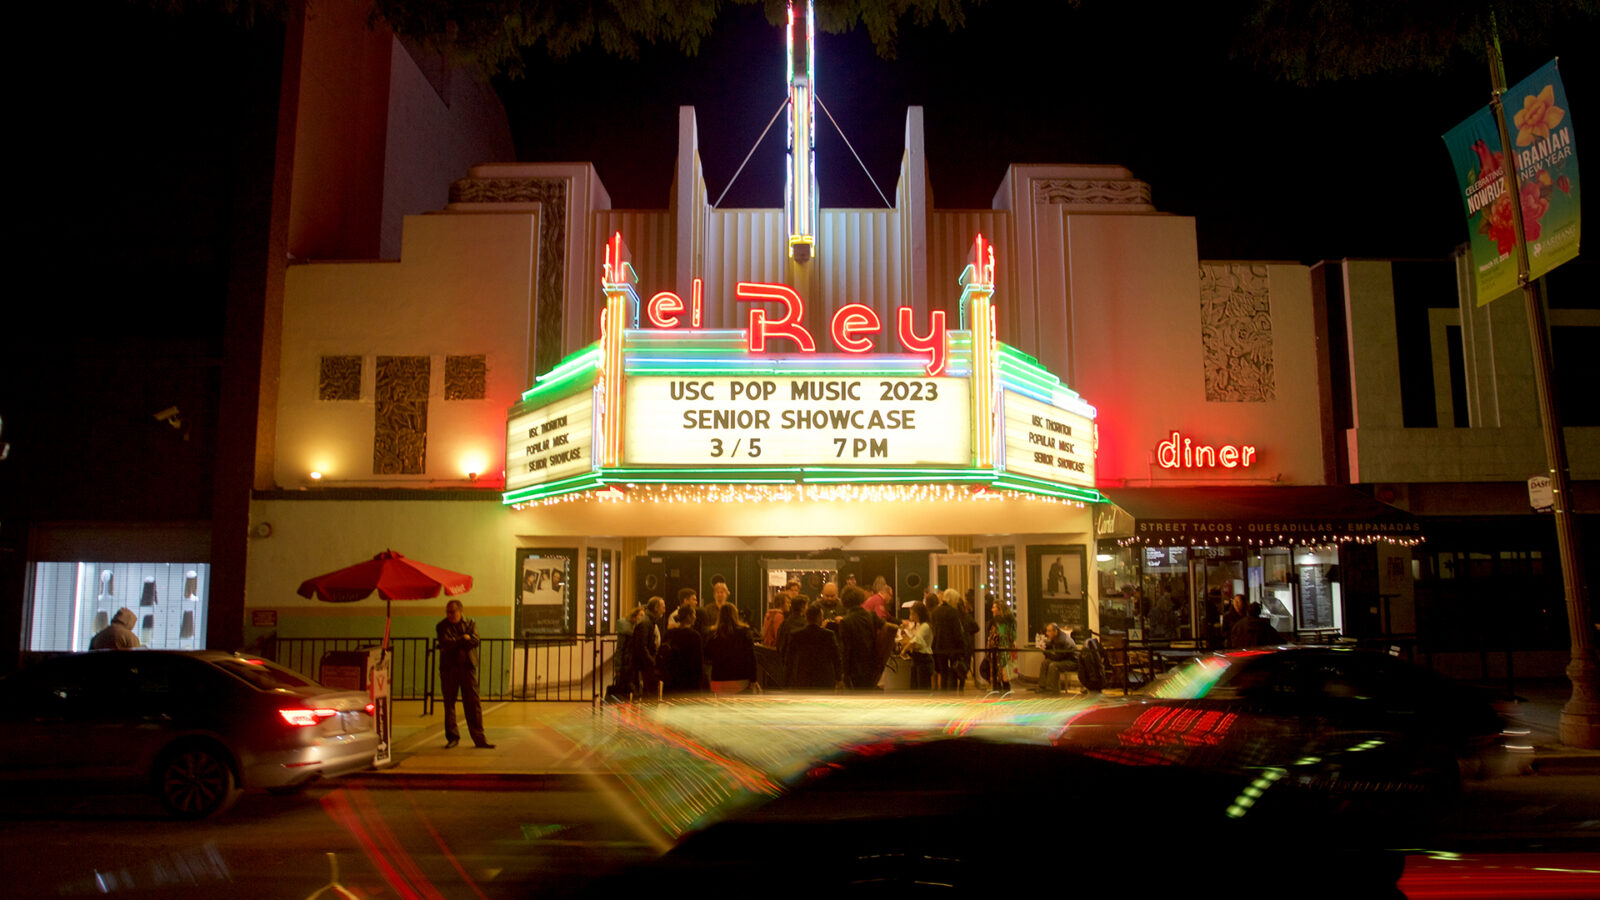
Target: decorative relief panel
[
  {"x": 339, "y": 378},
  {"x": 1093, "y": 192},
  {"x": 400, "y": 416},
  {"x": 1236, "y": 334},
  {"x": 551, "y": 193},
  {"x": 465, "y": 377}
]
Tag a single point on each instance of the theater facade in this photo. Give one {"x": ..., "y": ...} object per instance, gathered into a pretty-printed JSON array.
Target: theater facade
[{"x": 583, "y": 406}]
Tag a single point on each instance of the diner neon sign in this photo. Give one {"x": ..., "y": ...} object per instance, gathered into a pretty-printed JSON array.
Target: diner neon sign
[{"x": 1178, "y": 452}]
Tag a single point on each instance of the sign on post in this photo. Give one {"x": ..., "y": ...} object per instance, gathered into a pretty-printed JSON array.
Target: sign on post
[
  {"x": 1541, "y": 496},
  {"x": 1540, "y": 124}
]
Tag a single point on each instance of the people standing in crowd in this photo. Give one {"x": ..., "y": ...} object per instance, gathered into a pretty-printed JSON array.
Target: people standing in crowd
[
  {"x": 829, "y": 601},
  {"x": 627, "y": 680},
  {"x": 731, "y": 653},
  {"x": 686, "y": 595},
  {"x": 781, "y": 617},
  {"x": 969, "y": 613},
  {"x": 858, "y": 641},
  {"x": 643, "y": 645},
  {"x": 888, "y": 635},
  {"x": 919, "y": 648},
  {"x": 814, "y": 661},
  {"x": 1251, "y": 630},
  {"x": 969, "y": 635},
  {"x": 881, "y": 600},
  {"x": 1231, "y": 617},
  {"x": 948, "y": 648},
  {"x": 773, "y": 623},
  {"x": 1000, "y": 659},
  {"x": 1060, "y": 656},
  {"x": 118, "y": 635},
  {"x": 458, "y": 673},
  {"x": 683, "y": 654},
  {"x": 706, "y": 619},
  {"x": 793, "y": 620}
]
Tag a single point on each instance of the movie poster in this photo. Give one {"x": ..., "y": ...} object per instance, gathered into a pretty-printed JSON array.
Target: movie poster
[
  {"x": 1056, "y": 593},
  {"x": 545, "y": 604}
]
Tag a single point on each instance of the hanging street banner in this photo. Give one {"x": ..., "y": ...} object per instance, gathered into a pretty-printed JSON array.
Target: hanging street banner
[{"x": 1540, "y": 124}]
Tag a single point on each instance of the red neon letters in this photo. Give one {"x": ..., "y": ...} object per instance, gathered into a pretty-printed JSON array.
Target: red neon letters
[
  {"x": 851, "y": 326},
  {"x": 851, "y": 320},
  {"x": 1182, "y": 453},
  {"x": 932, "y": 344},
  {"x": 664, "y": 308},
  {"x": 794, "y": 309}
]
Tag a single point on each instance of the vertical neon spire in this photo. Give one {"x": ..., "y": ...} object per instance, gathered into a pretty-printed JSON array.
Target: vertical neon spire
[
  {"x": 800, "y": 188},
  {"x": 618, "y": 280},
  {"x": 977, "y": 313}
]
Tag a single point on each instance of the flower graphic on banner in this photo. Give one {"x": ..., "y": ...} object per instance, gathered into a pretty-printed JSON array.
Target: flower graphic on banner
[
  {"x": 1535, "y": 203},
  {"x": 1538, "y": 115},
  {"x": 1488, "y": 163}
]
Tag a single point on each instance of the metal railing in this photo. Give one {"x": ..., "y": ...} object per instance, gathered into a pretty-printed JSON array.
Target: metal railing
[
  {"x": 512, "y": 669},
  {"x": 410, "y": 673},
  {"x": 546, "y": 669}
]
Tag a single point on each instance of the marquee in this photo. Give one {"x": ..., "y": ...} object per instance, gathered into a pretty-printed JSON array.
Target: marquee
[{"x": 670, "y": 405}]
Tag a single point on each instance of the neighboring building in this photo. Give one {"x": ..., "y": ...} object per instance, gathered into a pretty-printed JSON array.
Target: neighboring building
[
  {"x": 1434, "y": 411},
  {"x": 134, "y": 441}
]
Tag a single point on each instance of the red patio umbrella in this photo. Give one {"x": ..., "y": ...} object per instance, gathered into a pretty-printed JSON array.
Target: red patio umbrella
[{"x": 393, "y": 576}]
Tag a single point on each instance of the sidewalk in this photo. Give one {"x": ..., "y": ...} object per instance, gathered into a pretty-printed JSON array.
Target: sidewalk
[
  {"x": 1537, "y": 708},
  {"x": 530, "y": 743},
  {"x": 527, "y": 745}
]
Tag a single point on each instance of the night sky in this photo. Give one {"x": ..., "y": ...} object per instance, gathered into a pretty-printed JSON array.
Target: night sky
[{"x": 1270, "y": 170}]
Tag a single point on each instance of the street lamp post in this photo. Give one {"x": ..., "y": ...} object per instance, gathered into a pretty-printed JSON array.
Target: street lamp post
[{"x": 1580, "y": 717}]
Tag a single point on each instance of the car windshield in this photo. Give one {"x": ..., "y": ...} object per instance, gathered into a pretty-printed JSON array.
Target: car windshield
[{"x": 263, "y": 674}]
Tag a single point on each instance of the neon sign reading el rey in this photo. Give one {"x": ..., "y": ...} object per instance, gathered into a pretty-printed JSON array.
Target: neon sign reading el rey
[
  {"x": 851, "y": 327},
  {"x": 1179, "y": 452}
]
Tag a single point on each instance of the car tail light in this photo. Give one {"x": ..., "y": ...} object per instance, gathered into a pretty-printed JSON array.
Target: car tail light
[
  {"x": 304, "y": 717},
  {"x": 372, "y": 709}
]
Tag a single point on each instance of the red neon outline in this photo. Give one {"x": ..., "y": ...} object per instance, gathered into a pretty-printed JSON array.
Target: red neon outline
[
  {"x": 933, "y": 344},
  {"x": 787, "y": 327},
  {"x": 613, "y": 268},
  {"x": 850, "y": 319},
  {"x": 697, "y": 294},
  {"x": 661, "y": 312}
]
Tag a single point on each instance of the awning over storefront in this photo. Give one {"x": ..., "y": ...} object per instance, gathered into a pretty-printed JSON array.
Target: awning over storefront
[{"x": 1252, "y": 516}]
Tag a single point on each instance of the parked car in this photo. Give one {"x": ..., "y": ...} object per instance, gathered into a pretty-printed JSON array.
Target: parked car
[
  {"x": 195, "y": 727},
  {"x": 1364, "y": 730}
]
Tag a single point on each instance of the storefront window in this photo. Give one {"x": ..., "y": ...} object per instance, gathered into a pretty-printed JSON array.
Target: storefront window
[
  {"x": 73, "y": 601},
  {"x": 1121, "y": 609},
  {"x": 1166, "y": 586},
  {"x": 1317, "y": 603}
]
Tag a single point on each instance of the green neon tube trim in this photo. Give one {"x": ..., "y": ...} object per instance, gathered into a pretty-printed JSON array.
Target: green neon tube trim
[{"x": 546, "y": 394}]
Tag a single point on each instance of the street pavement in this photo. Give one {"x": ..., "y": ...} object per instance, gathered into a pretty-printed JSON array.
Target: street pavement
[{"x": 563, "y": 742}]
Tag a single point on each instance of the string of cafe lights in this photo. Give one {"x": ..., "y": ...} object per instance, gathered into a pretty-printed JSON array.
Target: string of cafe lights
[
  {"x": 1320, "y": 542},
  {"x": 790, "y": 493}
]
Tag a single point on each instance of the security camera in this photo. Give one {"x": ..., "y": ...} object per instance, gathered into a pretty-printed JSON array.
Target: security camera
[{"x": 170, "y": 416}]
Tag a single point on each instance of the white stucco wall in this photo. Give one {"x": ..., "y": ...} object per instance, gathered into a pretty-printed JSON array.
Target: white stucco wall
[
  {"x": 463, "y": 286},
  {"x": 432, "y": 139},
  {"x": 1137, "y": 355}
]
